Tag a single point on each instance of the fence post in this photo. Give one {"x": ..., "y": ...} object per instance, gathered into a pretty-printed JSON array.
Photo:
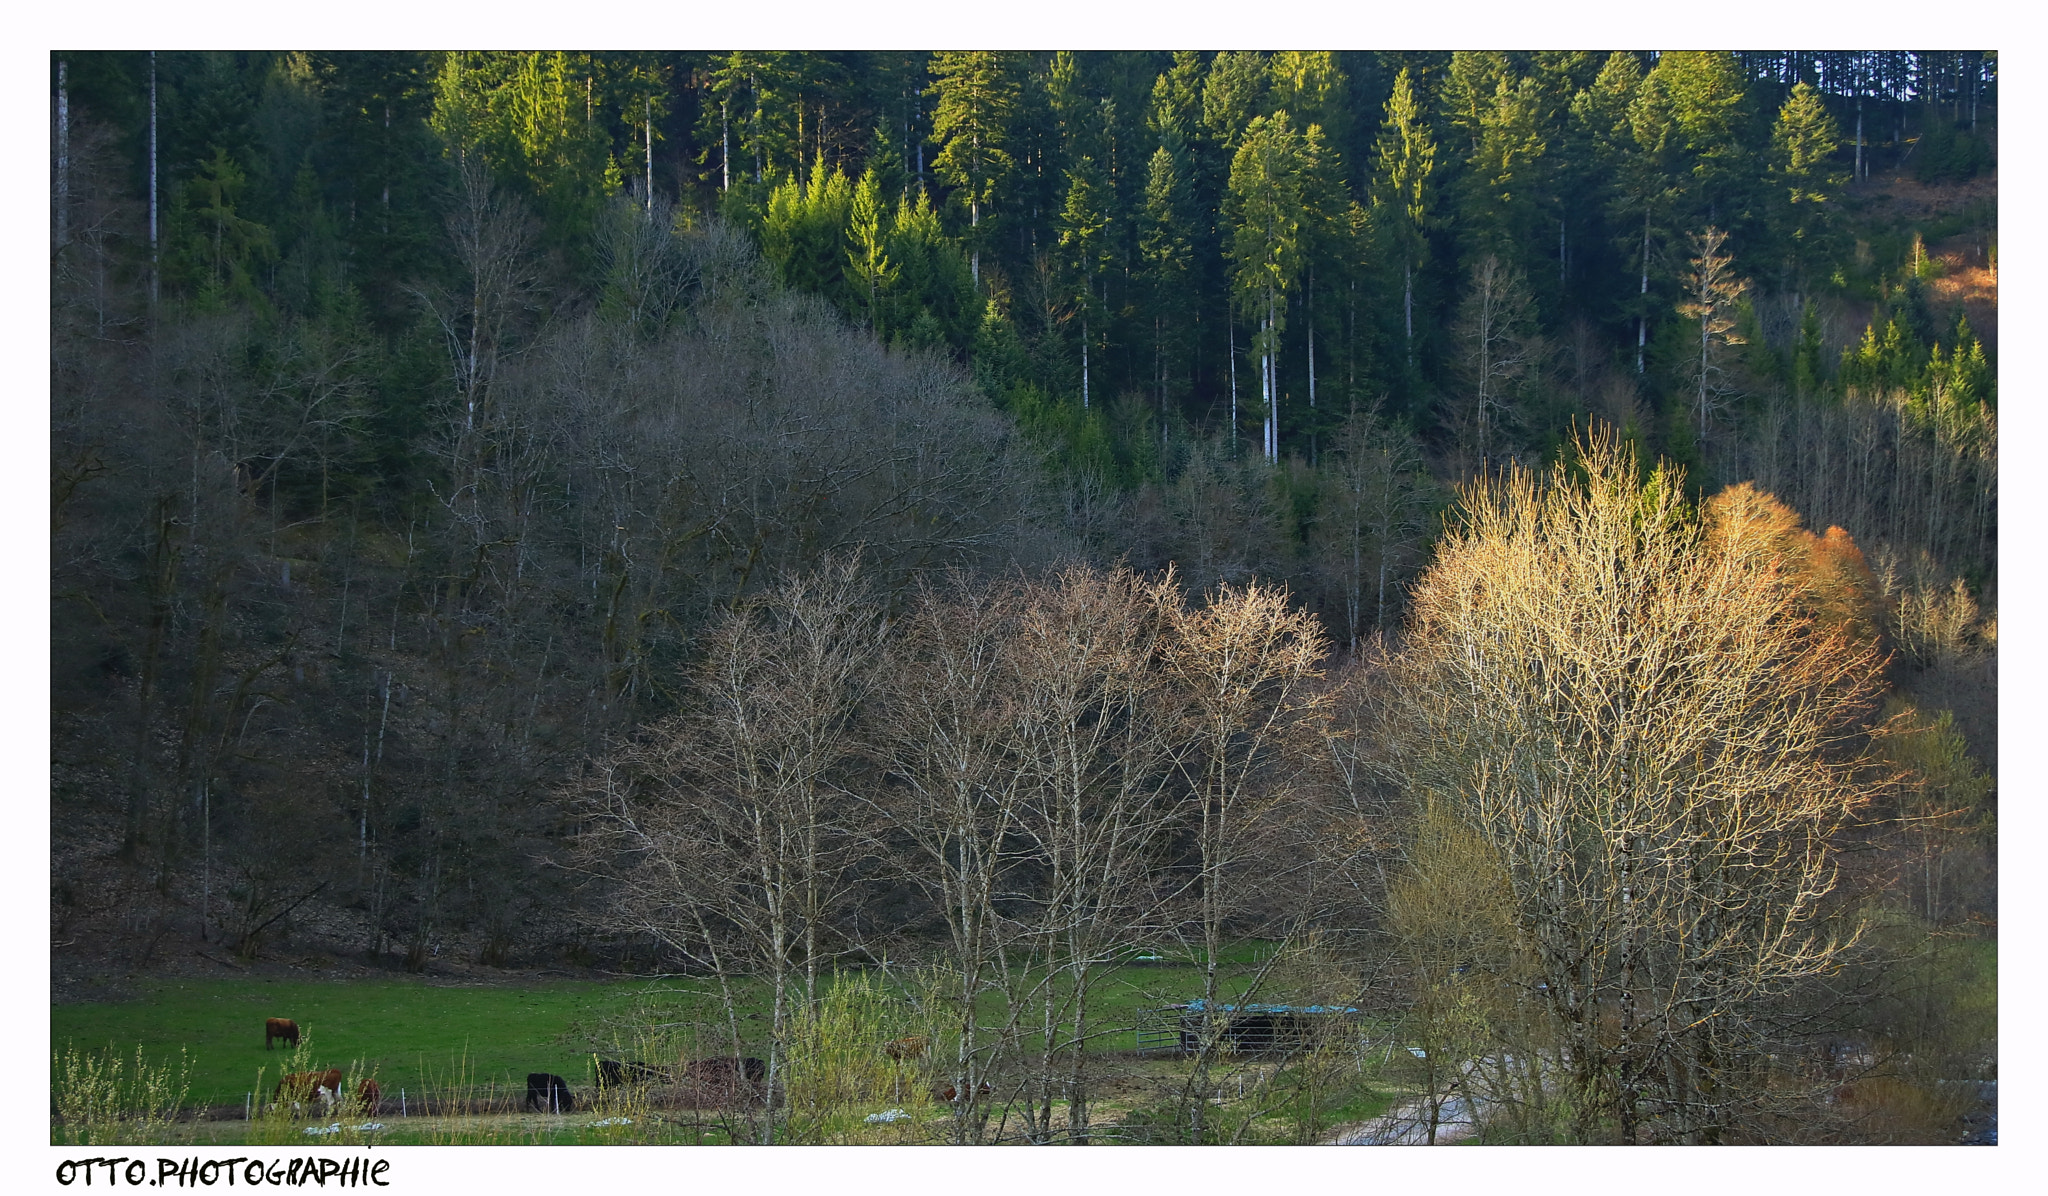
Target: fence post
[
  {"x": 401, "y": 1102},
  {"x": 248, "y": 1104}
]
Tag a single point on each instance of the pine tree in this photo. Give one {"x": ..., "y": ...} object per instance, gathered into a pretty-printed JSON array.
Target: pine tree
[
  {"x": 1166, "y": 256},
  {"x": 1084, "y": 250},
  {"x": 1803, "y": 144},
  {"x": 868, "y": 257},
  {"x": 1403, "y": 195},
  {"x": 1265, "y": 249},
  {"x": 977, "y": 96}
]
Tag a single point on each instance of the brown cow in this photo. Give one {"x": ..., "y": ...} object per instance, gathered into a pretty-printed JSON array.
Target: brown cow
[
  {"x": 944, "y": 1093},
  {"x": 369, "y": 1096},
  {"x": 280, "y": 1027},
  {"x": 304, "y": 1085},
  {"x": 912, "y": 1047}
]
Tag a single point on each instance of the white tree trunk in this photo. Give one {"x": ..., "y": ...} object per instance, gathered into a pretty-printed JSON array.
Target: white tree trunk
[
  {"x": 1643, "y": 319},
  {"x": 1859, "y": 138}
]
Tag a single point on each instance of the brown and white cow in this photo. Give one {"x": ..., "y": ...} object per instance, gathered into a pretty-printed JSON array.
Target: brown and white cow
[{"x": 307, "y": 1085}]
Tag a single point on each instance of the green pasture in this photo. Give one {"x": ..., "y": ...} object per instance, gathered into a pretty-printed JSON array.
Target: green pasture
[
  {"x": 415, "y": 1035},
  {"x": 411, "y": 1034}
]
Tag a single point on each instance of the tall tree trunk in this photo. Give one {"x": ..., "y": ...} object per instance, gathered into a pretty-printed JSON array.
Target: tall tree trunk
[
  {"x": 1231, "y": 325},
  {"x": 1643, "y": 317},
  {"x": 153, "y": 257},
  {"x": 1859, "y": 139},
  {"x": 1408, "y": 307},
  {"x": 63, "y": 156}
]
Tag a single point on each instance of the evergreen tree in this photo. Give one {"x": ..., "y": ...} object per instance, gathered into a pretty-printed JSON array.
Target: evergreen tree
[
  {"x": 977, "y": 95},
  {"x": 1166, "y": 256},
  {"x": 1404, "y": 196},
  {"x": 1265, "y": 248},
  {"x": 1084, "y": 251},
  {"x": 1803, "y": 144},
  {"x": 868, "y": 255}
]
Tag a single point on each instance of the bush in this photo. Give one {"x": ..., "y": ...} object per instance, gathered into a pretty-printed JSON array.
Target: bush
[{"x": 102, "y": 1100}]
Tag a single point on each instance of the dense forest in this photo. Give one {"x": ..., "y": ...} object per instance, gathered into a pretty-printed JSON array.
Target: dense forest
[{"x": 1082, "y": 502}]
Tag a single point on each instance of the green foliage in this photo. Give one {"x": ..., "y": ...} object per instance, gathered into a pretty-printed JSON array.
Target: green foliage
[
  {"x": 1948, "y": 154},
  {"x": 838, "y": 1074},
  {"x": 211, "y": 249},
  {"x": 1806, "y": 179},
  {"x": 977, "y": 99},
  {"x": 531, "y": 115},
  {"x": 805, "y": 234},
  {"x": 933, "y": 300}
]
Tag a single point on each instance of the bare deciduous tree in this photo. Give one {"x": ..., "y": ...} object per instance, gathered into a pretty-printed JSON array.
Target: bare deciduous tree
[
  {"x": 946, "y": 731},
  {"x": 730, "y": 820},
  {"x": 1711, "y": 290},
  {"x": 1372, "y": 528},
  {"x": 1092, "y": 743},
  {"x": 1659, "y": 747},
  {"x": 1501, "y": 358},
  {"x": 1245, "y": 664}
]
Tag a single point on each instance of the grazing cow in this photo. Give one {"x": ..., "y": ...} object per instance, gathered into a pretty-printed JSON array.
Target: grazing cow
[
  {"x": 549, "y": 1092},
  {"x": 611, "y": 1073},
  {"x": 944, "y": 1093},
  {"x": 912, "y": 1047},
  {"x": 369, "y": 1096},
  {"x": 280, "y": 1027},
  {"x": 304, "y": 1085}
]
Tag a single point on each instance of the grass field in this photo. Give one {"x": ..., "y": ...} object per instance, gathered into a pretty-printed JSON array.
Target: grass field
[
  {"x": 468, "y": 1042},
  {"x": 413, "y": 1034},
  {"x": 410, "y": 1033}
]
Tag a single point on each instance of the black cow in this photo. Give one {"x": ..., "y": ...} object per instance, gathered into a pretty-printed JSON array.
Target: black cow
[
  {"x": 611, "y": 1073},
  {"x": 549, "y": 1093}
]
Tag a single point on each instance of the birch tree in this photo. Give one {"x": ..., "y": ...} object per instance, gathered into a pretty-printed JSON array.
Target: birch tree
[{"x": 727, "y": 832}]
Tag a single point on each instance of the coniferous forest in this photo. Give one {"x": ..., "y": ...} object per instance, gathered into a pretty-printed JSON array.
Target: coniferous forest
[{"x": 1500, "y": 543}]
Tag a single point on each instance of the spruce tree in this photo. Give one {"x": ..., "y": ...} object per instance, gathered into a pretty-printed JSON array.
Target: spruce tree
[{"x": 977, "y": 96}]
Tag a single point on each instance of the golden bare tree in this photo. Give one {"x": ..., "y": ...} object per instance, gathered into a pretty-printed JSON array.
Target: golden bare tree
[{"x": 1659, "y": 744}]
